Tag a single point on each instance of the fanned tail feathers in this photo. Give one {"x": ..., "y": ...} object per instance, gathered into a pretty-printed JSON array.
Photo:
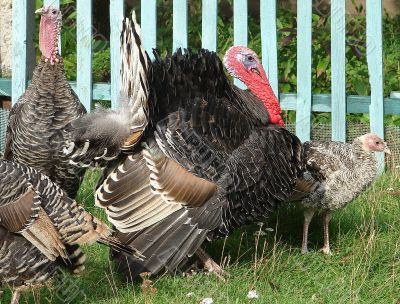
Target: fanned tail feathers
[{"x": 100, "y": 136}]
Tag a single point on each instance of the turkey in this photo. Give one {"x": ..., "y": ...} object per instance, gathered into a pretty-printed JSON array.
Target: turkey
[
  {"x": 207, "y": 163},
  {"x": 37, "y": 221},
  {"x": 339, "y": 173},
  {"x": 336, "y": 172},
  {"x": 34, "y": 135}
]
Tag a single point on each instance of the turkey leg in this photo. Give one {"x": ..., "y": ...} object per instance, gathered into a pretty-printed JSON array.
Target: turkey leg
[
  {"x": 210, "y": 264},
  {"x": 326, "y": 217},
  {"x": 17, "y": 294},
  {"x": 308, "y": 215}
]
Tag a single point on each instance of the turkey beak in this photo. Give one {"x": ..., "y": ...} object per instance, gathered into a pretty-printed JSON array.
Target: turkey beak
[
  {"x": 387, "y": 150},
  {"x": 39, "y": 11}
]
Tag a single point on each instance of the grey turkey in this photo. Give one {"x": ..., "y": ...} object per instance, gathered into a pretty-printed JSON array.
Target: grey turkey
[
  {"x": 336, "y": 173},
  {"x": 36, "y": 130},
  {"x": 208, "y": 162},
  {"x": 339, "y": 173},
  {"x": 35, "y": 133},
  {"x": 37, "y": 221}
]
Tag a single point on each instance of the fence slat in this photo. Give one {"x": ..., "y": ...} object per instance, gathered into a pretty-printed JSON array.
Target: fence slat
[
  {"x": 180, "y": 24},
  {"x": 55, "y": 3},
  {"x": 338, "y": 51},
  {"x": 84, "y": 52},
  {"x": 304, "y": 61},
  {"x": 375, "y": 68},
  {"x": 23, "y": 52},
  {"x": 269, "y": 41},
  {"x": 116, "y": 17},
  {"x": 148, "y": 22},
  {"x": 209, "y": 25},
  {"x": 240, "y": 28}
]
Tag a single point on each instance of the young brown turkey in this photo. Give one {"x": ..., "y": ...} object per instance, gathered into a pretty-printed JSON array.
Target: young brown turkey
[
  {"x": 34, "y": 135},
  {"x": 208, "y": 162},
  {"x": 37, "y": 221},
  {"x": 339, "y": 173},
  {"x": 336, "y": 172}
]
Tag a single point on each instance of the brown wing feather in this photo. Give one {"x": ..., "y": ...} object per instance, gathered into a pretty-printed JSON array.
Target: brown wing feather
[
  {"x": 303, "y": 189},
  {"x": 21, "y": 212},
  {"x": 44, "y": 236},
  {"x": 147, "y": 187}
]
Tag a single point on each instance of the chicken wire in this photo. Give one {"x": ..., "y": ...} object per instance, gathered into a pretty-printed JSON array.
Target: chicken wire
[
  {"x": 3, "y": 128},
  {"x": 392, "y": 137}
]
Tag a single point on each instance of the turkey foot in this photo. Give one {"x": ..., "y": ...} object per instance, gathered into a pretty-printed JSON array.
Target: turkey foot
[{"x": 210, "y": 264}]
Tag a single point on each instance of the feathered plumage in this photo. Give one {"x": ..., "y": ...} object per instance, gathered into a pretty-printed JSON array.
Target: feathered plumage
[
  {"x": 37, "y": 221},
  {"x": 337, "y": 173},
  {"x": 34, "y": 134},
  {"x": 100, "y": 136},
  {"x": 208, "y": 162}
]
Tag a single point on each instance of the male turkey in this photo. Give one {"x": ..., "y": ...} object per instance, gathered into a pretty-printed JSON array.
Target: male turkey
[
  {"x": 208, "y": 162},
  {"x": 336, "y": 172},
  {"x": 37, "y": 221},
  {"x": 34, "y": 135}
]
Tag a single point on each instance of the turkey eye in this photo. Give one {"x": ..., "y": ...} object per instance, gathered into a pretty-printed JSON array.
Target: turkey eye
[
  {"x": 54, "y": 12},
  {"x": 250, "y": 58},
  {"x": 377, "y": 142}
]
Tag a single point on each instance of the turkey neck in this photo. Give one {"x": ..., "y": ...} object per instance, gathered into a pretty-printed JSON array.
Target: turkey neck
[
  {"x": 48, "y": 36},
  {"x": 365, "y": 161},
  {"x": 261, "y": 87}
]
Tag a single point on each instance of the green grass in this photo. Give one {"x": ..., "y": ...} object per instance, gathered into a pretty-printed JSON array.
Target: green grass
[{"x": 364, "y": 267}]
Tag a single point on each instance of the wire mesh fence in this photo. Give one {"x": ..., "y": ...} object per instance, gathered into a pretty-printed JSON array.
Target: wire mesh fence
[
  {"x": 3, "y": 128},
  {"x": 392, "y": 137}
]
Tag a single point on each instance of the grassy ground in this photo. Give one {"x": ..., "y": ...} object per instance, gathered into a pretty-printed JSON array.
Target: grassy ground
[{"x": 364, "y": 268}]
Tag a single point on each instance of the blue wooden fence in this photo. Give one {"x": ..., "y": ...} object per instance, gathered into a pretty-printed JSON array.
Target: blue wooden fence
[{"x": 304, "y": 102}]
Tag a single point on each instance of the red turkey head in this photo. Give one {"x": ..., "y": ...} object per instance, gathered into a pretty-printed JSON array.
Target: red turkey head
[
  {"x": 243, "y": 63},
  {"x": 373, "y": 143},
  {"x": 50, "y": 24}
]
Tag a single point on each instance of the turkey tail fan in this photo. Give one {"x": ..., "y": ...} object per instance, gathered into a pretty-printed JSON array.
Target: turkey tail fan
[
  {"x": 99, "y": 137},
  {"x": 135, "y": 65}
]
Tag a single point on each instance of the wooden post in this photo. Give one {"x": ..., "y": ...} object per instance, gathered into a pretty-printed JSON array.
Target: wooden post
[
  {"x": 240, "y": 28},
  {"x": 209, "y": 25},
  {"x": 84, "y": 52},
  {"x": 116, "y": 17},
  {"x": 180, "y": 24},
  {"x": 375, "y": 68},
  {"x": 338, "y": 51},
  {"x": 23, "y": 52},
  {"x": 304, "y": 62},
  {"x": 149, "y": 25},
  {"x": 269, "y": 42}
]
